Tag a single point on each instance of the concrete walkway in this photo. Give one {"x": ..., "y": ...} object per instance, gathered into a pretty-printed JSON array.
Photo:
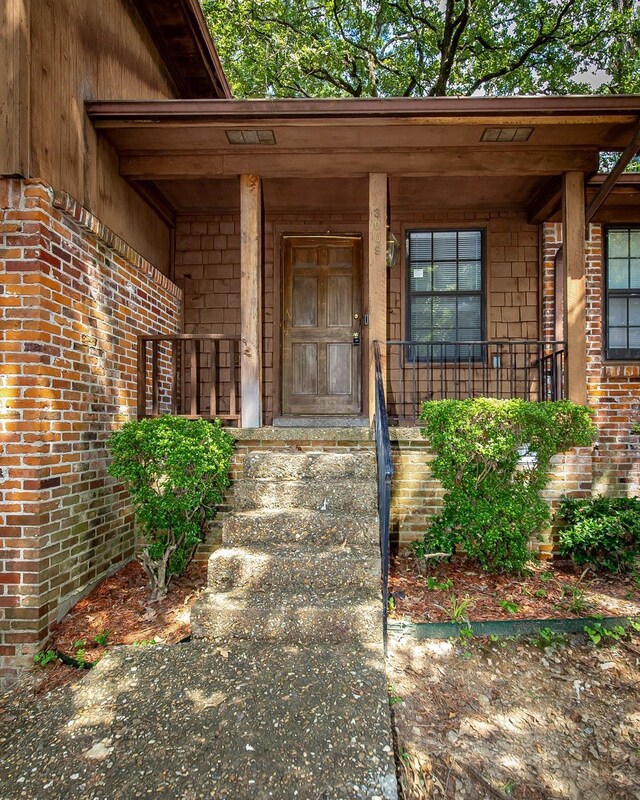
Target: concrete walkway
[
  {"x": 282, "y": 693},
  {"x": 198, "y": 721}
]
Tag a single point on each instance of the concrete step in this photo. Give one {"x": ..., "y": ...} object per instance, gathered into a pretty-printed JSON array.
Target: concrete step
[
  {"x": 345, "y": 496},
  {"x": 287, "y": 569},
  {"x": 278, "y": 527},
  {"x": 300, "y": 618},
  {"x": 289, "y": 466}
]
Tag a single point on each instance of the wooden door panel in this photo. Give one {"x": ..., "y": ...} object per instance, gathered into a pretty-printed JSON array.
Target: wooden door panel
[
  {"x": 304, "y": 256},
  {"x": 339, "y": 371},
  {"x": 305, "y": 369},
  {"x": 340, "y": 257},
  {"x": 304, "y": 301},
  {"x": 321, "y": 364},
  {"x": 339, "y": 301}
]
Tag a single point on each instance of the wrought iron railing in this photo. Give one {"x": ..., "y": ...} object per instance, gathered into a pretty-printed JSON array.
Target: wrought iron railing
[
  {"x": 190, "y": 375},
  {"x": 385, "y": 474},
  {"x": 419, "y": 371}
]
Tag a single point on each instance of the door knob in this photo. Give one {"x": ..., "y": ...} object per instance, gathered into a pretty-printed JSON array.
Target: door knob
[{"x": 356, "y": 316}]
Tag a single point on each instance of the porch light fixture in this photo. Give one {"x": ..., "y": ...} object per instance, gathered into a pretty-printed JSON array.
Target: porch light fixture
[
  {"x": 250, "y": 137},
  {"x": 506, "y": 134},
  {"x": 393, "y": 249}
]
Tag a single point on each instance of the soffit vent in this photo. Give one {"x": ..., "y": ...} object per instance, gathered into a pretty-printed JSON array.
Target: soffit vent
[
  {"x": 251, "y": 137},
  {"x": 506, "y": 134}
]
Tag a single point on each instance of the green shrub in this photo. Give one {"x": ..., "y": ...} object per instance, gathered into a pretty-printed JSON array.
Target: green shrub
[
  {"x": 492, "y": 506},
  {"x": 601, "y": 532},
  {"x": 176, "y": 471}
]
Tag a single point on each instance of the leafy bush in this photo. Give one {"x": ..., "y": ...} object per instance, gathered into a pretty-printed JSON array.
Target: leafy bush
[
  {"x": 176, "y": 471},
  {"x": 492, "y": 505},
  {"x": 601, "y": 532}
]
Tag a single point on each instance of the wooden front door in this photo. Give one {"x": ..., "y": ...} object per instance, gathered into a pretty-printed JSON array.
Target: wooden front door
[{"x": 322, "y": 317}]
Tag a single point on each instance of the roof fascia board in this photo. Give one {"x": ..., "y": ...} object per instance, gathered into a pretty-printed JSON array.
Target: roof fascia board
[{"x": 625, "y": 107}]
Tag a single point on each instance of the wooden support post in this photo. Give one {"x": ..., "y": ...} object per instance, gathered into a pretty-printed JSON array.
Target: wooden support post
[
  {"x": 251, "y": 300},
  {"x": 377, "y": 278},
  {"x": 573, "y": 248}
]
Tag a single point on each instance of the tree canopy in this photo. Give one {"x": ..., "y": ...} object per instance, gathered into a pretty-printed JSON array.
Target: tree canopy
[{"x": 371, "y": 48}]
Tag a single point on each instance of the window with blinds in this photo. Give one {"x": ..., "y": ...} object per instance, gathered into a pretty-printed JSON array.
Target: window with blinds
[
  {"x": 622, "y": 280},
  {"x": 445, "y": 276}
]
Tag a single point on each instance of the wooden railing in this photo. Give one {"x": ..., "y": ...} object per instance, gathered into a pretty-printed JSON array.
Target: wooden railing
[{"x": 194, "y": 375}]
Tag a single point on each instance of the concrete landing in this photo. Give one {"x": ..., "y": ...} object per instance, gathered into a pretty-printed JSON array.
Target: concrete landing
[
  {"x": 199, "y": 721},
  {"x": 321, "y": 422}
]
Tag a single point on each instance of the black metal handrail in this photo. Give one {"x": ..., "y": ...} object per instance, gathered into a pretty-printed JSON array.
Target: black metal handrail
[
  {"x": 506, "y": 368},
  {"x": 385, "y": 474}
]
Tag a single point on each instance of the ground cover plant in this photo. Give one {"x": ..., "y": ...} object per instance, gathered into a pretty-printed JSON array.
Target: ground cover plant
[
  {"x": 602, "y": 533},
  {"x": 176, "y": 471},
  {"x": 492, "y": 506}
]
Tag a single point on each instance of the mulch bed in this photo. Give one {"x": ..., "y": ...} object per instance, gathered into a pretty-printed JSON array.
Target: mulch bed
[
  {"x": 508, "y": 719},
  {"x": 120, "y": 605},
  {"x": 550, "y": 590}
]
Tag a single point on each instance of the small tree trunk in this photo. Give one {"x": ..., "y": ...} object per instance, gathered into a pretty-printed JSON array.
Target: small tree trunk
[{"x": 157, "y": 572}]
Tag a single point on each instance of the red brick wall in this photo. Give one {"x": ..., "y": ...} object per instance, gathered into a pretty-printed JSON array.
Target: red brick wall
[
  {"x": 73, "y": 298},
  {"x": 613, "y": 388}
]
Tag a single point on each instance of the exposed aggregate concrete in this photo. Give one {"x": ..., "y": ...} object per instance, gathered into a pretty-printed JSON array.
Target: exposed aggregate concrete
[
  {"x": 196, "y": 721},
  {"x": 285, "y": 698}
]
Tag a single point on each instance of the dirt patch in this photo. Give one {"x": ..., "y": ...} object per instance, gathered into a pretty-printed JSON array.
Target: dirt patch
[
  {"x": 120, "y": 606},
  {"x": 509, "y": 720},
  {"x": 550, "y": 590}
]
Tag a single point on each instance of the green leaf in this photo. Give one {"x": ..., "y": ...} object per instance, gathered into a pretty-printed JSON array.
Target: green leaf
[
  {"x": 176, "y": 471},
  {"x": 492, "y": 507},
  {"x": 290, "y": 48}
]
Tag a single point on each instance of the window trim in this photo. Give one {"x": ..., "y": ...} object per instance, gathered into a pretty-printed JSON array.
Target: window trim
[
  {"x": 482, "y": 293},
  {"x": 617, "y": 353}
]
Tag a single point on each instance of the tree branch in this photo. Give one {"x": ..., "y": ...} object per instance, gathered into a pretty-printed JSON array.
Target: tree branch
[{"x": 541, "y": 39}]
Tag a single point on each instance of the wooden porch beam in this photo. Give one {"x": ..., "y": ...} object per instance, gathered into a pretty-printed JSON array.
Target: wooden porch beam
[
  {"x": 573, "y": 253},
  {"x": 428, "y": 162},
  {"x": 251, "y": 300},
  {"x": 154, "y": 197},
  {"x": 612, "y": 178},
  {"x": 546, "y": 202},
  {"x": 377, "y": 279}
]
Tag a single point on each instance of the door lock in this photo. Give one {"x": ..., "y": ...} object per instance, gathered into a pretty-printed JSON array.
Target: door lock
[{"x": 356, "y": 339}]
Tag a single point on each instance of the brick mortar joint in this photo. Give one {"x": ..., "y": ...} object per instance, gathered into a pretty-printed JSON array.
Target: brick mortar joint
[{"x": 89, "y": 222}]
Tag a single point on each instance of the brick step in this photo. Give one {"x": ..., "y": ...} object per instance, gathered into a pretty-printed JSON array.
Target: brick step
[
  {"x": 278, "y": 527},
  {"x": 276, "y": 466},
  {"x": 293, "y": 569},
  {"x": 288, "y": 618},
  {"x": 344, "y": 496}
]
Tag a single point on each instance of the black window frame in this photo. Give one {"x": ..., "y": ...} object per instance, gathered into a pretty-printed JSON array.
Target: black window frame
[
  {"x": 616, "y": 353},
  {"x": 478, "y": 353}
]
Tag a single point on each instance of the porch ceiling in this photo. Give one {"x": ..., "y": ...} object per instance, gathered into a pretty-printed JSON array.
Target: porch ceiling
[{"x": 184, "y": 148}]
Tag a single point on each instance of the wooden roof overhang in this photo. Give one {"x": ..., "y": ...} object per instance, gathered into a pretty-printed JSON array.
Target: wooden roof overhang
[
  {"x": 168, "y": 143},
  {"x": 179, "y": 31}
]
